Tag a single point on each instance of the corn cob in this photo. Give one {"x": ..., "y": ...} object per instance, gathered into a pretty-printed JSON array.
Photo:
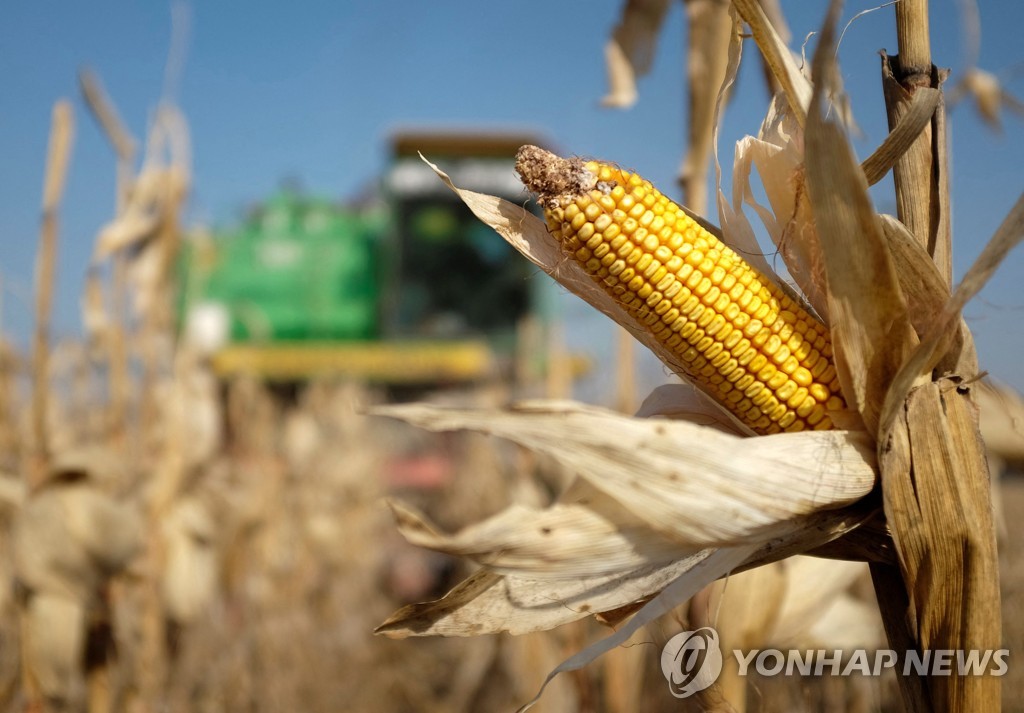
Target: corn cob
[{"x": 731, "y": 330}]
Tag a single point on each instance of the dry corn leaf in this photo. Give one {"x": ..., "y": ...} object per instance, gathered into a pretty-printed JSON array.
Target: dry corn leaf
[
  {"x": 777, "y": 56},
  {"x": 989, "y": 95},
  {"x": 926, "y": 292},
  {"x": 871, "y": 330},
  {"x": 1009, "y": 233},
  {"x": 106, "y": 114},
  {"x": 710, "y": 28},
  {"x": 630, "y": 51},
  {"x": 695, "y": 484},
  {"x": 899, "y": 140}
]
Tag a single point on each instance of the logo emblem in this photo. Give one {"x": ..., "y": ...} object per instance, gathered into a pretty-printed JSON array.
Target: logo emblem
[{"x": 691, "y": 661}]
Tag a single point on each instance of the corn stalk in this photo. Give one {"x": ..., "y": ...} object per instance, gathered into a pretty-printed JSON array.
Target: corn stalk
[
  {"x": 934, "y": 479},
  {"x": 61, "y": 137},
  {"x": 125, "y": 147}
]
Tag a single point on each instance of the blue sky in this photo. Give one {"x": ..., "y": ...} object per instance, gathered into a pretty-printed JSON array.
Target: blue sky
[{"x": 312, "y": 90}]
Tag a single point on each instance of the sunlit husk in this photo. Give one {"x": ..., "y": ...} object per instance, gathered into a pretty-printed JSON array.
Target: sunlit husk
[
  {"x": 694, "y": 484},
  {"x": 54, "y": 631},
  {"x": 69, "y": 538},
  {"x": 192, "y": 562}
]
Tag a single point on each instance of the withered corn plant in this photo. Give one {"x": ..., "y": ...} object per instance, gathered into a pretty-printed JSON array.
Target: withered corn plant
[{"x": 835, "y": 419}]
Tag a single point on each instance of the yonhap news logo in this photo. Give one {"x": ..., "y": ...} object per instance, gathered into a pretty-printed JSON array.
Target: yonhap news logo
[{"x": 693, "y": 660}]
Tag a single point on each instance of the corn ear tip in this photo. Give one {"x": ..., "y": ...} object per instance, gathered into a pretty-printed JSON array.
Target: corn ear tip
[{"x": 552, "y": 177}]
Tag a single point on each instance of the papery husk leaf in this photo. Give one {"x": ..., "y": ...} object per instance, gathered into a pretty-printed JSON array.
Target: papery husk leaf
[
  {"x": 585, "y": 534},
  {"x": 54, "y": 628},
  {"x": 694, "y": 484},
  {"x": 630, "y": 51},
  {"x": 871, "y": 332},
  {"x": 803, "y": 617},
  {"x": 529, "y": 235},
  {"x": 778, "y": 155},
  {"x": 679, "y": 591},
  {"x": 488, "y": 602},
  {"x": 718, "y": 564},
  {"x": 736, "y": 231},
  {"x": 688, "y": 403}
]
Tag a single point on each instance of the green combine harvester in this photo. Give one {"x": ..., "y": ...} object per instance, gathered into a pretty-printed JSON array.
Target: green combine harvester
[{"x": 411, "y": 289}]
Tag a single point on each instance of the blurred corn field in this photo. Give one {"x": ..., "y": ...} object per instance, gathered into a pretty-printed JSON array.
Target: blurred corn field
[{"x": 170, "y": 540}]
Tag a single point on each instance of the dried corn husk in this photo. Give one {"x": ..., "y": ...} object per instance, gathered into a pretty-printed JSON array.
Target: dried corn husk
[
  {"x": 644, "y": 513},
  {"x": 191, "y": 568},
  {"x": 70, "y": 537},
  {"x": 685, "y": 402},
  {"x": 54, "y": 631},
  {"x": 696, "y": 485}
]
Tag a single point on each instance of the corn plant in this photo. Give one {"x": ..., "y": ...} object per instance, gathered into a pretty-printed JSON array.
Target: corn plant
[{"x": 836, "y": 419}]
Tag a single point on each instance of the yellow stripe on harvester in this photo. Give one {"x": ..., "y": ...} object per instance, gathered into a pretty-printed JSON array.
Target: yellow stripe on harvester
[{"x": 391, "y": 362}]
